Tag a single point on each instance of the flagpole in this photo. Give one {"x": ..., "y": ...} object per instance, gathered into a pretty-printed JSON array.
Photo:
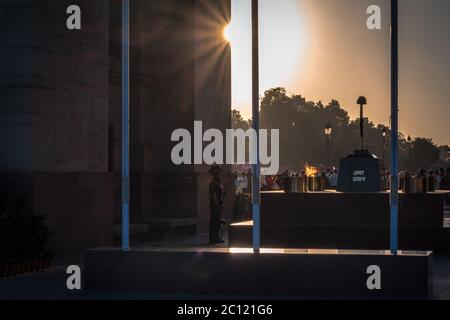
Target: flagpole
[
  {"x": 255, "y": 106},
  {"x": 125, "y": 124},
  {"x": 394, "y": 123}
]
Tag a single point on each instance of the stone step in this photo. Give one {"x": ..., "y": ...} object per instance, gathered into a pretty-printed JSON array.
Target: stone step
[
  {"x": 171, "y": 223},
  {"x": 134, "y": 229},
  {"x": 297, "y": 274}
]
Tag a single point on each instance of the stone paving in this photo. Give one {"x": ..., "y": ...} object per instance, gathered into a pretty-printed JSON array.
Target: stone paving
[{"x": 51, "y": 284}]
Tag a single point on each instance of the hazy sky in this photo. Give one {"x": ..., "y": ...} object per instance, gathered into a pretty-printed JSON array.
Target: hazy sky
[{"x": 322, "y": 49}]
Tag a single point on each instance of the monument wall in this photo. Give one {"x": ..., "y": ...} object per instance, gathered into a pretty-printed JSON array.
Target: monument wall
[
  {"x": 60, "y": 112},
  {"x": 180, "y": 73},
  {"x": 54, "y": 100}
]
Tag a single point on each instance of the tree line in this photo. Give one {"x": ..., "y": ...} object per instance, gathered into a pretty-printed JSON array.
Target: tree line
[{"x": 303, "y": 140}]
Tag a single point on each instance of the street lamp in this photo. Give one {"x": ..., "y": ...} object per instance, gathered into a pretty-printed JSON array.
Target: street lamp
[
  {"x": 328, "y": 130},
  {"x": 409, "y": 152},
  {"x": 394, "y": 199},
  {"x": 384, "y": 134},
  {"x": 362, "y": 101}
]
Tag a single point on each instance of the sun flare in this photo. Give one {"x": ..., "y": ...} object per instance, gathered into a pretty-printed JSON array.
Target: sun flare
[
  {"x": 227, "y": 33},
  {"x": 282, "y": 40}
]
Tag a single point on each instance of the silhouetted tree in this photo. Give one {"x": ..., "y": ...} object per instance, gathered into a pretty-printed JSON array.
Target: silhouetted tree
[
  {"x": 237, "y": 121},
  {"x": 302, "y": 139},
  {"x": 424, "y": 153}
]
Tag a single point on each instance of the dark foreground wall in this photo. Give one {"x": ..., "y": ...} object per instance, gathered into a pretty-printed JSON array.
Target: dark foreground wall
[
  {"x": 180, "y": 73},
  {"x": 346, "y": 221},
  {"x": 216, "y": 271},
  {"x": 78, "y": 206}
]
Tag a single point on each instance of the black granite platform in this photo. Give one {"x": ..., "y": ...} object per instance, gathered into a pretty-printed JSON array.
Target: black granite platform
[
  {"x": 272, "y": 272},
  {"x": 346, "y": 221}
]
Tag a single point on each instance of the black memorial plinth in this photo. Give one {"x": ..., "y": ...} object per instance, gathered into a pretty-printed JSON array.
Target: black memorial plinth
[
  {"x": 335, "y": 220},
  {"x": 360, "y": 172}
]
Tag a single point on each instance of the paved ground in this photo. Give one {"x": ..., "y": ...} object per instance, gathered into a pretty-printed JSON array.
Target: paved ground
[{"x": 51, "y": 285}]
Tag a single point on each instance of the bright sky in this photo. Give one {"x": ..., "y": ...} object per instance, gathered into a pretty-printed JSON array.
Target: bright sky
[{"x": 322, "y": 49}]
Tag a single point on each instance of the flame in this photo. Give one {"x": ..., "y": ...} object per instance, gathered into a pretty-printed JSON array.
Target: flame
[{"x": 311, "y": 171}]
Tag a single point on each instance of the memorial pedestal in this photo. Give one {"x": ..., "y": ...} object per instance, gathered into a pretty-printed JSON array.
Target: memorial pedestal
[
  {"x": 277, "y": 272},
  {"x": 333, "y": 220},
  {"x": 359, "y": 172}
]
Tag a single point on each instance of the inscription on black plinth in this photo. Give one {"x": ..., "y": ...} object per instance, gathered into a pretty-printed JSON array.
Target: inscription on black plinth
[{"x": 359, "y": 172}]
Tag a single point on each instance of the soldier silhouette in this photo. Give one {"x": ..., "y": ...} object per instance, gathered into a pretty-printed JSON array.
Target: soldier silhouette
[{"x": 216, "y": 203}]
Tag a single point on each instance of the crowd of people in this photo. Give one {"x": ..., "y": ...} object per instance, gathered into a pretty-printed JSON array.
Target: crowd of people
[
  {"x": 243, "y": 180},
  {"x": 440, "y": 179},
  {"x": 443, "y": 178}
]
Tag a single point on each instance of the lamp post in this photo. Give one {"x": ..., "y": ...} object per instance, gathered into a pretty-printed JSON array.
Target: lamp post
[
  {"x": 362, "y": 101},
  {"x": 384, "y": 134},
  {"x": 125, "y": 124},
  {"x": 255, "y": 107},
  {"x": 409, "y": 152},
  {"x": 394, "y": 128},
  {"x": 328, "y": 130}
]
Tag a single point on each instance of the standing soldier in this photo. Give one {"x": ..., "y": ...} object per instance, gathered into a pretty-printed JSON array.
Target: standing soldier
[{"x": 216, "y": 203}]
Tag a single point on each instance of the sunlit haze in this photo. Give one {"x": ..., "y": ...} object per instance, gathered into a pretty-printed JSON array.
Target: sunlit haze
[{"x": 322, "y": 50}]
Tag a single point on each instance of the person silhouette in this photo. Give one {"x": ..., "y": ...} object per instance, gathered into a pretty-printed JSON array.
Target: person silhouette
[{"x": 216, "y": 204}]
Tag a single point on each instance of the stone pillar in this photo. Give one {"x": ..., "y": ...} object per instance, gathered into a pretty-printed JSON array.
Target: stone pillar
[
  {"x": 212, "y": 90},
  {"x": 180, "y": 72}
]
